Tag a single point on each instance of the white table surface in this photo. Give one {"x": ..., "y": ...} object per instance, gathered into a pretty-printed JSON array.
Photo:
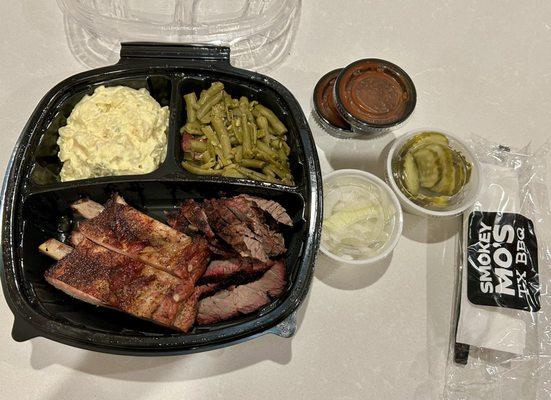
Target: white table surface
[{"x": 382, "y": 332}]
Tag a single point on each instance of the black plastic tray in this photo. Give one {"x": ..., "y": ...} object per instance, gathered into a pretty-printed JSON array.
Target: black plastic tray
[{"x": 35, "y": 204}]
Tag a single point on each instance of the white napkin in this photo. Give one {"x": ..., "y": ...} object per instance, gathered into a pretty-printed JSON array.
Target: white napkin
[{"x": 496, "y": 328}]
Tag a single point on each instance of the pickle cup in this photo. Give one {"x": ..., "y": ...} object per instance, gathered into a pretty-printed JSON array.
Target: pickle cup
[
  {"x": 397, "y": 220},
  {"x": 460, "y": 202}
]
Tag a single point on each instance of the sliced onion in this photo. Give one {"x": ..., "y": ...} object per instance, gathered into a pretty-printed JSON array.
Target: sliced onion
[{"x": 358, "y": 218}]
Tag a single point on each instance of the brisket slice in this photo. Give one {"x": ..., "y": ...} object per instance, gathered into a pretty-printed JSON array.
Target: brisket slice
[
  {"x": 234, "y": 269},
  {"x": 273, "y": 208},
  {"x": 125, "y": 230},
  {"x": 206, "y": 289},
  {"x": 222, "y": 249},
  {"x": 102, "y": 277},
  {"x": 243, "y": 299},
  {"x": 191, "y": 220},
  {"x": 242, "y": 226}
]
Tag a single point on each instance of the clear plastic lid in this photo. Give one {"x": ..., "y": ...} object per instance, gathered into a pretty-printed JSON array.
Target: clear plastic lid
[{"x": 259, "y": 32}]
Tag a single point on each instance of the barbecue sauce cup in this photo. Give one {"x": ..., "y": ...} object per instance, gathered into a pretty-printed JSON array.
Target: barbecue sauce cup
[
  {"x": 374, "y": 96},
  {"x": 36, "y": 204}
]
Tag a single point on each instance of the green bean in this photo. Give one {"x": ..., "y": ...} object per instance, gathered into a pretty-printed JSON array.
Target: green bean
[
  {"x": 211, "y": 137},
  {"x": 210, "y": 149},
  {"x": 245, "y": 108},
  {"x": 267, "y": 137},
  {"x": 193, "y": 128},
  {"x": 207, "y": 106},
  {"x": 219, "y": 127},
  {"x": 191, "y": 103},
  {"x": 228, "y": 101},
  {"x": 232, "y": 172},
  {"x": 251, "y": 163},
  {"x": 214, "y": 88},
  {"x": 223, "y": 136},
  {"x": 201, "y": 98},
  {"x": 254, "y": 133},
  {"x": 235, "y": 137},
  {"x": 273, "y": 120},
  {"x": 288, "y": 181},
  {"x": 286, "y": 148},
  {"x": 198, "y": 170},
  {"x": 206, "y": 157},
  {"x": 208, "y": 164},
  {"x": 273, "y": 161},
  {"x": 267, "y": 149},
  {"x": 226, "y": 146},
  {"x": 262, "y": 122},
  {"x": 247, "y": 142},
  {"x": 205, "y": 120},
  {"x": 243, "y": 103},
  {"x": 218, "y": 110},
  {"x": 282, "y": 155},
  {"x": 198, "y": 146},
  {"x": 276, "y": 144},
  {"x": 279, "y": 171},
  {"x": 237, "y": 131},
  {"x": 238, "y": 153},
  {"x": 249, "y": 173},
  {"x": 269, "y": 171}
]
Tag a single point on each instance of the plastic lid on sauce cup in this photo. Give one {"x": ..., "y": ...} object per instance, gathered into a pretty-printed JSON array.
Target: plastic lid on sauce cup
[
  {"x": 374, "y": 95},
  {"x": 324, "y": 103}
]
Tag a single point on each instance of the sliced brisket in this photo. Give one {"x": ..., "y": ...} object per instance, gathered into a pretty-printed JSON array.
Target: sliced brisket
[
  {"x": 191, "y": 219},
  {"x": 273, "y": 208},
  {"x": 229, "y": 270},
  {"x": 243, "y": 299},
  {"x": 243, "y": 226}
]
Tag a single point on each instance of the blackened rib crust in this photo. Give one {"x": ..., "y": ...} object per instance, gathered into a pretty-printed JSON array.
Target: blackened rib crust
[{"x": 124, "y": 229}]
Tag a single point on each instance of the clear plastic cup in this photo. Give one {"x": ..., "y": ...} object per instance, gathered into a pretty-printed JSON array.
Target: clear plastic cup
[
  {"x": 397, "y": 223},
  {"x": 468, "y": 193}
]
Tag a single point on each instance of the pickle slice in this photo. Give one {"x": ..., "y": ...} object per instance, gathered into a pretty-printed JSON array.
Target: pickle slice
[
  {"x": 423, "y": 139},
  {"x": 446, "y": 184},
  {"x": 428, "y": 165},
  {"x": 432, "y": 201},
  {"x": 410, "y": 175},
  {"x": 429, "y": 171}
]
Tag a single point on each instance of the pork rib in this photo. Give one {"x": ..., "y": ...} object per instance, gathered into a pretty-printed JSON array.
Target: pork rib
[
  {"x": 125, "y": 230},
  {"x": 243, "y": 299},
  {"x": 98, "y": 276}
]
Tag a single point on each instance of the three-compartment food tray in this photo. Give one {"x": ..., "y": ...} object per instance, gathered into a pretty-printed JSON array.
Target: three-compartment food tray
[{"x": 36, "y": 205}]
